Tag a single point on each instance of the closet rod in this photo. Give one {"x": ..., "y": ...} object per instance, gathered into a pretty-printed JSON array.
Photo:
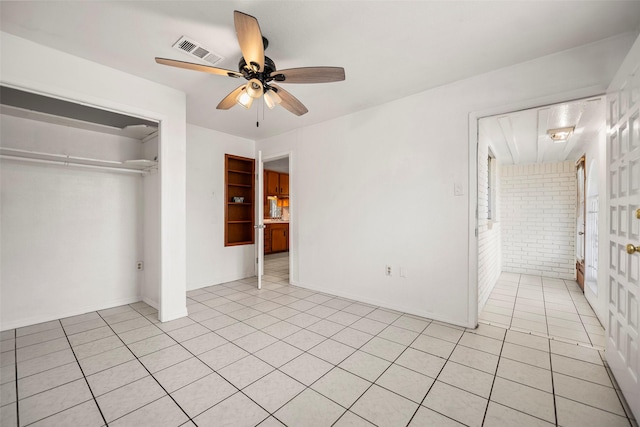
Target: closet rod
[
  {"x": 65, "y": 157},
  {"x": 60, "y": 162}
]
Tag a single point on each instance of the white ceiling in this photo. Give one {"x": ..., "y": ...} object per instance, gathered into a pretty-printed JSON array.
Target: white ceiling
[
  {"x": 389, "y": 49},
  {"x": 521, "y": 137}
]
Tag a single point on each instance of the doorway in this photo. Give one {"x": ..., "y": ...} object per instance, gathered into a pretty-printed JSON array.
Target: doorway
[
  {"x": 277, "y": 220},
  {"x": 527, "y": 216}
]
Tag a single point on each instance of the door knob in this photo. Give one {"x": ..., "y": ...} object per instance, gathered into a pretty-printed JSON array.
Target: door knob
[
  {"x": 632, "y": 249},
  {"x": 580, "y": 233},
  {"x": 638, "y": 213}
]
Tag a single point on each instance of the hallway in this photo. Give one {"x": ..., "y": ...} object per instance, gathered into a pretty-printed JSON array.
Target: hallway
[{"x": 543, "y": 306}]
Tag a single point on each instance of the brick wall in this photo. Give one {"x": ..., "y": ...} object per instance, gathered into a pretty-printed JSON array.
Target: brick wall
[{"x": 538, "y": 215}]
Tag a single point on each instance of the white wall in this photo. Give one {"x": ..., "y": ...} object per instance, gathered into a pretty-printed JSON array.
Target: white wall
[
  {"x": 538, "y": 204},
  {"x": 209, "y": 262},
  {"x": 376, "y": 187},
  {"x": 76, "y": 79},
  {"x": 71, "y": 236},
  {"x": 489, "y": 231}
]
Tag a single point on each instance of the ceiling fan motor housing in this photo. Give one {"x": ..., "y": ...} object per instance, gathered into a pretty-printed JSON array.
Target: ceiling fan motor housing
[
  {"x": 263, "y": 76},
  {"x": 269, "y": 67}
]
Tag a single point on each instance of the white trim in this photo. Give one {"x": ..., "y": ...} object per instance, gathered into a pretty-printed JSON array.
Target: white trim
[
  {"x": 292, "y": 220},
  {"x": 381, "y": 304},
  {"x": 472, "y": 256},
  {"x": 165, "y": 316},
  {"x": 152, "y": 303},
  {"x": 474, "y": 116}
]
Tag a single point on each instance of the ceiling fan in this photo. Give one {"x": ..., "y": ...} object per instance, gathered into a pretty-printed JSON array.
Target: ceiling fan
[{"x": 261, "y": 72}]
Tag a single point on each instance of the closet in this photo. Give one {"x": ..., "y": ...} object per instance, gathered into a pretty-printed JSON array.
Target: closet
[{"x": 79, "y": 208}]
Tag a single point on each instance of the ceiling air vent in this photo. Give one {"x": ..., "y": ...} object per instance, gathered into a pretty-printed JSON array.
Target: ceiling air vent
[{"x": 193, "y": 48}]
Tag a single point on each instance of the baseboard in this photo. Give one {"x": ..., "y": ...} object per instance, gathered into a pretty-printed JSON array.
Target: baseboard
[
  {"x": 151, "y": 302},
  {"x": 34, "y": 320},
  {"x": 167, "y": 317},
  {"x": 222, "y": 280},
  {"x": 382, "y": 304}
]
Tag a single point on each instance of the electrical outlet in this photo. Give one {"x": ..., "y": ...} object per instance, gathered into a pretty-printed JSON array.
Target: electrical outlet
[
  {"x": 388, "y": 270},
  {"x": 140, "y": 265}
]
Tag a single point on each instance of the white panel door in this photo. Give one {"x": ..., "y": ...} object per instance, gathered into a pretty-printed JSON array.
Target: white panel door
[
  {"x": 259, "y": 226},
  {"x": 623, "y": 169}
]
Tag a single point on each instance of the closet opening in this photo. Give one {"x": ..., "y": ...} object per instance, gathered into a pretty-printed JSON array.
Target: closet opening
[{"x": 80, "y": 212}]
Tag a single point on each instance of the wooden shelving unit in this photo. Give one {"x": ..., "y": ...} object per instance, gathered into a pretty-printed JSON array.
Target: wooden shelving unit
[{"x": 239, "y": 175}]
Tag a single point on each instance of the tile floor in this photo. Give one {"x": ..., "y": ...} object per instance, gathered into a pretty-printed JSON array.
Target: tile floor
[
  {"x": 543, "y": 306},
  {"x": 289, "y": 356}
]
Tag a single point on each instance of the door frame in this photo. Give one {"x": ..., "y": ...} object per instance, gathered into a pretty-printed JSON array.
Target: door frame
[
  {"x": 474, "y": 117},
  {"x": 582, "y": 161},
  {"x": 259, "y": 221},
  {"x": 293, "y": 247}
]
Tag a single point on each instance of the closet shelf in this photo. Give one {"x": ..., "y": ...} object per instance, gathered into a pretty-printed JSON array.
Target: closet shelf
[{"x": 137, "y": 165}]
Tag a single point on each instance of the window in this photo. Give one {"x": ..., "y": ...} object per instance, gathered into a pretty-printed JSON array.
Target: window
[{"x": 491, "y": 209}]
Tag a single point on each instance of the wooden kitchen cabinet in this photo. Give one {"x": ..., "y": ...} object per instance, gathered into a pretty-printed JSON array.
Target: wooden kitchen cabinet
[
  {"x": 272, "y": 183},
  {"x": 267, "y": 239},
  {"x": 276, "y": 238},
  {"x": 279, "y": 237},
  {"x": 284, "y": 184},
  {"x": 275, "y": 183}
]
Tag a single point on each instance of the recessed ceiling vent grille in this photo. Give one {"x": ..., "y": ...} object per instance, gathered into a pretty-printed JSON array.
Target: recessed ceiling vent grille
[{"x": 193, "y": 48}]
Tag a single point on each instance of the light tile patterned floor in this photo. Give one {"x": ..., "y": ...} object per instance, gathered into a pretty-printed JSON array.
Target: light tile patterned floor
[
  {"x": 289, "y": 356},
  {"x": 544, "y": 306}
]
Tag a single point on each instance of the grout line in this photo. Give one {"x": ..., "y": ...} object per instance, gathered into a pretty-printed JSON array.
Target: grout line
[
  {"x": 546, "y": 319},
  {"x": 616, "y": 387},
  {"x": 85, "y": 380},
  {"x": 436, "y": 379},
  {"x": 495, "y": 375},
  {"x": 515, "y": 303},
  {"x": 579, "y": 317},
  {"x": 15, "y": 360},
  {"x": 150, "y": 374},
  {"x": 553, "y": 389}
]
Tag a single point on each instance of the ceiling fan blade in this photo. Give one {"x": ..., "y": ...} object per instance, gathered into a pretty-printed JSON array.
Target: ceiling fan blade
[
  {"x": 309, "y": 75},
  {"x": 290, "y": 102},
  {"x": 230, "y": 100},
  {"x": 198, "y": 67},
  {"x": 250, "y": 39}
]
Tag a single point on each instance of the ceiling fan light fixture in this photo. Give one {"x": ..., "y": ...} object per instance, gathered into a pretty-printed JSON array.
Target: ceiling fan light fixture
[
  {"x": 244, "y": 99},
  {"x": 560, "y": 134},
  {"x": 271, "y": 98},
  {"x": 254, "y": 88}
]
